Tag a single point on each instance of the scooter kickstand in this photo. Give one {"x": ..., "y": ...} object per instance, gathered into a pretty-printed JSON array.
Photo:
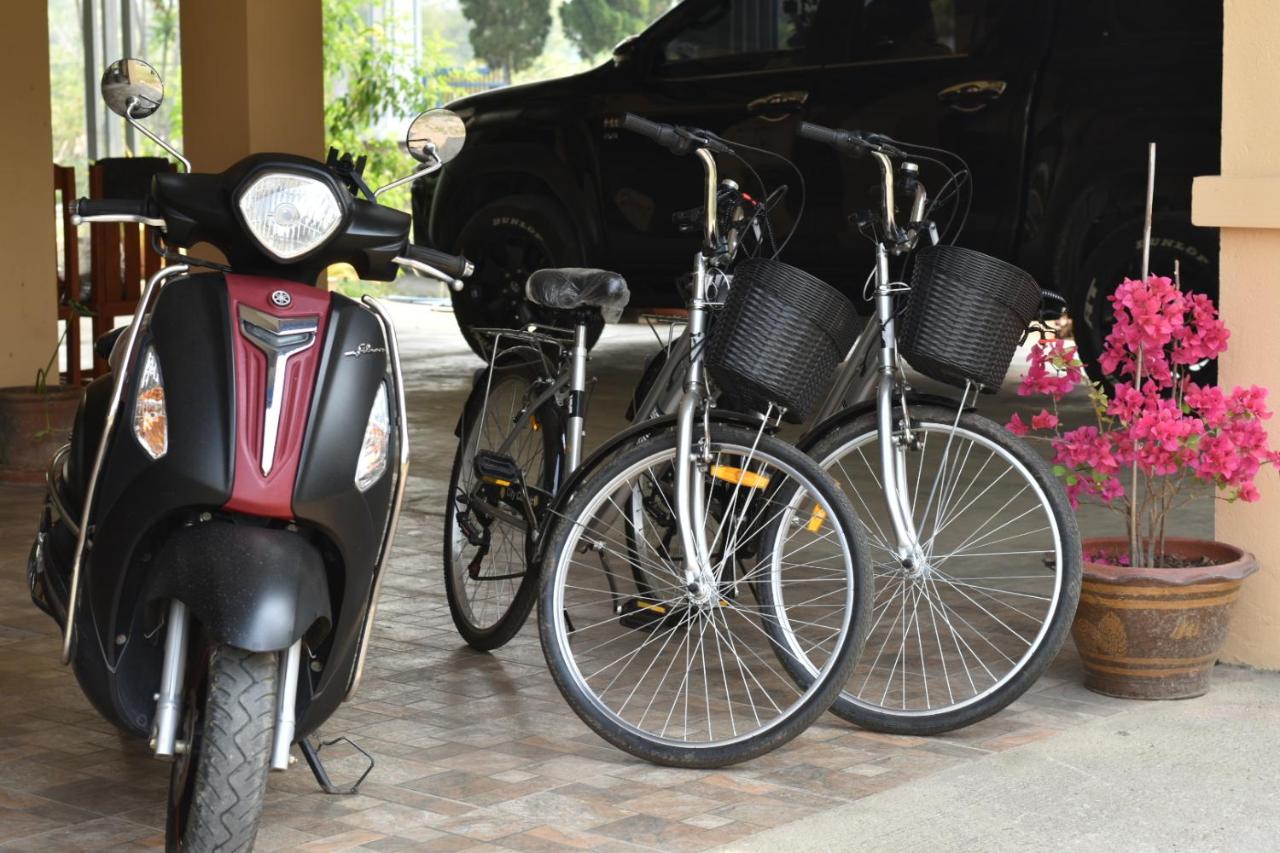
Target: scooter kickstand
[{"x": 312, "y": 755}]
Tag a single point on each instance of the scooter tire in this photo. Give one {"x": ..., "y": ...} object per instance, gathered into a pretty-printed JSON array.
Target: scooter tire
[{"x": 231, "y": 751}]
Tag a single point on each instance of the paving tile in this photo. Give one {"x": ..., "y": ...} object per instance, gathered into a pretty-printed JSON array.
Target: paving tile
[{"x": 474, "y": 751}]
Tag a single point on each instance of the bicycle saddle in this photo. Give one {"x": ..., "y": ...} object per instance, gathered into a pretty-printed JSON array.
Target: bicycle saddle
[{"x": 574, "y": 287}]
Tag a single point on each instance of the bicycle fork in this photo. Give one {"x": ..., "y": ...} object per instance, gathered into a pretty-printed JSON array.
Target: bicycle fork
[
  {"x": 893, "y": 453},
  {"x": 690, "y": 498}
]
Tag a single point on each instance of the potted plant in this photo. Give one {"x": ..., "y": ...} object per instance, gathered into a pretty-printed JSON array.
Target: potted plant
[
  {"x": 35, "y": 420},
  {"x": 1154, "y": 608}
]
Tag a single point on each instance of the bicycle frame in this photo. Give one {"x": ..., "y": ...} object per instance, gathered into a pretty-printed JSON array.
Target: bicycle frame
[
  {"x": 700, "y": 574},
  {"x": 859, "y": 376}
]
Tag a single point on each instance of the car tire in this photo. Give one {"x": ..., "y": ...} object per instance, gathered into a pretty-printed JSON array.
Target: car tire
[
  {"x": 507, "y": 240},
  {"x": 1118, "y": 256}
]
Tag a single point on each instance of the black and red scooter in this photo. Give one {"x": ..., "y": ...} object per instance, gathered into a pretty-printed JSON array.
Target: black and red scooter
[{"x": 216, "y": 532}]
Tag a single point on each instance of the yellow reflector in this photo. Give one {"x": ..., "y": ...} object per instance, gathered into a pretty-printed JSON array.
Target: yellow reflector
[
  {"x": 729, "y": 474},
  {"x": 656, "y": 608},
  {"x": 815, "y": 520},
  {"x": 533, "y": 422},
  {"x": 496, "y": 482}
]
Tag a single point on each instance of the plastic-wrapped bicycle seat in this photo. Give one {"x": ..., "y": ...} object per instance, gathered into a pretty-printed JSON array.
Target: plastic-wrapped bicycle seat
[{"x": 573, "y": 287}]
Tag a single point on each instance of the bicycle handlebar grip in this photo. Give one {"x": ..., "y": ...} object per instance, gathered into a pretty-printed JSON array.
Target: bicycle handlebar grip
[
  {"x": 644, "y": 127},
  {"x": 818, "y": 133},
  {"x": 454, "y": 265},
  {"x": 851, "y": 141},
  {"x": 664, "y": 134}
]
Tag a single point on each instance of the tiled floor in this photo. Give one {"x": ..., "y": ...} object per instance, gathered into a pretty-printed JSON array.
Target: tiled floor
[{"x": 473, "y": 751}]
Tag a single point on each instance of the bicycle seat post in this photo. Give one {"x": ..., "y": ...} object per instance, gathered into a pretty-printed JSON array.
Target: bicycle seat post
[{"x": 576, "y": 429}]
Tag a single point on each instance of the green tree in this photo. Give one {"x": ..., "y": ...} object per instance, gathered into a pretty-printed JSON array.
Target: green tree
[
  {"x": 596, "y": 26},
  {"x": 372, "y": 88},
  {"x": 508, "y": 34}
]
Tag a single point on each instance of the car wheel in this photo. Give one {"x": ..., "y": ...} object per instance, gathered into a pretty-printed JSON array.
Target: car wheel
[
  {"x": 1119, "y": 256},
  {"x": 507, "y": 240}
]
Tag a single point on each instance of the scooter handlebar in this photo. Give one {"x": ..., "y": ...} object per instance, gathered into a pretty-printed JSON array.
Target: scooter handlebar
[
  {"x": 454, "y": 265},
  {"x": 113, "y": 210}
]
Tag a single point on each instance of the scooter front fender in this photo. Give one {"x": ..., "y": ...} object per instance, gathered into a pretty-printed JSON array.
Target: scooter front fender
[{"x": 255, "y": 588}]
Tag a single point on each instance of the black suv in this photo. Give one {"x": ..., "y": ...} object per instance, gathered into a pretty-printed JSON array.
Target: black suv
[{"x": 1052, "y": 103}]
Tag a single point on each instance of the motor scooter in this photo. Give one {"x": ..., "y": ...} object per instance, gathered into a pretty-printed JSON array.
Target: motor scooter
[{"x": 216, "y": 532}]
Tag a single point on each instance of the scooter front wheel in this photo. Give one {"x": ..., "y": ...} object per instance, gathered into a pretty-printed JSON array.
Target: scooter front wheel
[{"x": 218, "y": 783}]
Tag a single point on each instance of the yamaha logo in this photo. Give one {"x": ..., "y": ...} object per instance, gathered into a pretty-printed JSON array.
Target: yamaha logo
[{"x": 281, "y": 299}]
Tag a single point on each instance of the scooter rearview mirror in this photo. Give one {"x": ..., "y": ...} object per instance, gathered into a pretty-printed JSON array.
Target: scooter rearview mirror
[
  {"x": 436, "y": 136},
  {"x": 132, "y": 88}
]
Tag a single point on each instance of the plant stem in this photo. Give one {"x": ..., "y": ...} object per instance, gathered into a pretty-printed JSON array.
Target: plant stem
[{"x": 1133, "y": 481}]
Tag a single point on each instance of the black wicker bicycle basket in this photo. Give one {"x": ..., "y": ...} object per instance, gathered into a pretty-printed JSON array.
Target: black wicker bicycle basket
[
  {"x": 966, "y": 315},
  {"x": 779, "y": 338}
]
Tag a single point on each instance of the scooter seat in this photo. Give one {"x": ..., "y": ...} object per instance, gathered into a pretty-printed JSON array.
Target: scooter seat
[
  {"x": 106, "y": 342},
  {"x": 574, "y": 287}
]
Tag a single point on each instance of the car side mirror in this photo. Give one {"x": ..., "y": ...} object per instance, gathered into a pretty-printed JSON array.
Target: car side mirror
[{"x": 624, "y": 50}]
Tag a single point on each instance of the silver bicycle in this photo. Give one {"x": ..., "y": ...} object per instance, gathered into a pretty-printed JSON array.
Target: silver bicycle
[
  {"x": 704, "y": 588},
  {"x": 976, "y": 549}
]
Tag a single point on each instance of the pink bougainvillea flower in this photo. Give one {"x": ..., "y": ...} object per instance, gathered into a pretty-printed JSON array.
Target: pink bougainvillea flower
[
  {"x": 1044, "y": 420},
  {"x": 1165, "y": 424}
]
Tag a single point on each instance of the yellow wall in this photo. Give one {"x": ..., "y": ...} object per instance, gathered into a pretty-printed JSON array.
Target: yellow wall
[
  {"x": 28, "y": 271},
  {"x": 1245, "y": 203},
  {"x": 253, "y": 79}
]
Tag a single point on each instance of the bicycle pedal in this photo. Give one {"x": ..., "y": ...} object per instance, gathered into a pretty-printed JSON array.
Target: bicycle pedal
[
  {"x": 497, "y": 469},
  {"x": 644, "y": 615}
]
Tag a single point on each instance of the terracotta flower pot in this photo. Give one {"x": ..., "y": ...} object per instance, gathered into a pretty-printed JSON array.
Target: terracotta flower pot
[
  {"x": 1146, "y": 633},
  {"x": 32, "y": 426}
]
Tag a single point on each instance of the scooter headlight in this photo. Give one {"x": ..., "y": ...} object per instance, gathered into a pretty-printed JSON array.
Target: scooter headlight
[
  {"x": 376, "y": 444},
  {"x": 150, "y": 420},
  {"x": 289, "y": 214}
]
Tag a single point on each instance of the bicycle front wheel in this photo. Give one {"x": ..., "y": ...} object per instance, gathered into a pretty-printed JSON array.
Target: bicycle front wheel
[
  {"x": 695, "y": 673},
  {"x": 959, "y": 636}
]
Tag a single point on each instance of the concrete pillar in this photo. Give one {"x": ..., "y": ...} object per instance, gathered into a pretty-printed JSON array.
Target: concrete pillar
[
  {"x": 252, "y": 79},
  {"x": 28, "y": 243},
  {"x": 1244, "y": 201}
]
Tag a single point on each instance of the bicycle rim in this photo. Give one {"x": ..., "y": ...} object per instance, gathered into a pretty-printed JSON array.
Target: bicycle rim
[
  {"x": 955, "y": 632},
  {"x": 679, "y": 668}
]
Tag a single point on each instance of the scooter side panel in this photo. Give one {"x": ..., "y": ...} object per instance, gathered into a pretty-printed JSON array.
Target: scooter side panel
[
  {"x": 138, "y": 497},
  {"x": 327, "y": 500}
]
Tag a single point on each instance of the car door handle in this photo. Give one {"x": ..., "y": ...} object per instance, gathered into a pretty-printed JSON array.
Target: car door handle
[
  {"x": 972, "y": 96},
  {"x": 778, "y": 106}
]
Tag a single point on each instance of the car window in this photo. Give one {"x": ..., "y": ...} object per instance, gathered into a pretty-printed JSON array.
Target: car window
[
  {"x": 1168, "y": 16},
  {"x": 912, "y": 29},
  {"x": 1094, "y": 22},
  {"x": 759, "y": 32}
]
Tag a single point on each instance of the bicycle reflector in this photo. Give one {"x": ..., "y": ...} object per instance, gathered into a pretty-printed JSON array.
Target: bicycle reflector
[{"x": 739, "y": 477}]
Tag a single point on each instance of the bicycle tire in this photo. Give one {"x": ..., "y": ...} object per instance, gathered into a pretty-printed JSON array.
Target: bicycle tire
[
  {"x": 556, "y": 624},
  {"x": 860, "y": 432}
]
